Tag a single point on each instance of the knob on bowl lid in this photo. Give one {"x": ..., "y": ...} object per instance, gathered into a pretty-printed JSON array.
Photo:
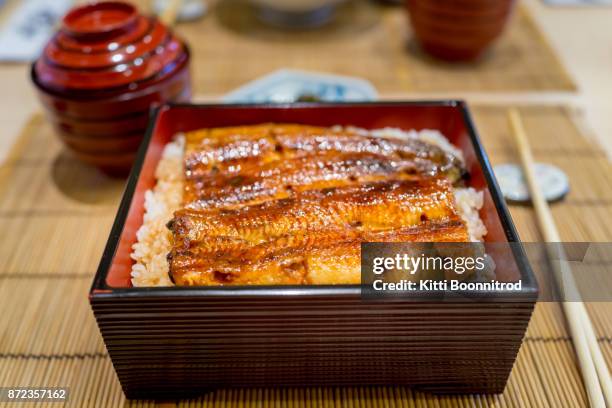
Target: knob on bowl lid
[{"x": 99, "y": 19}]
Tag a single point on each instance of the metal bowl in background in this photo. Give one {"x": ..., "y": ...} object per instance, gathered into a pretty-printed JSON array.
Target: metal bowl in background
[{"x": 296, "y": 13}]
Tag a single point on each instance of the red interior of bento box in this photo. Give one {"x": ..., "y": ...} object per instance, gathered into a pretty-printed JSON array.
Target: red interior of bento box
[{"x": 447, "y": 118}]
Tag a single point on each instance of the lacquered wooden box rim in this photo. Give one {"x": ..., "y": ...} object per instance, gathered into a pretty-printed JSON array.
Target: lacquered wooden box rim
[{"x": 100, "y": 290}]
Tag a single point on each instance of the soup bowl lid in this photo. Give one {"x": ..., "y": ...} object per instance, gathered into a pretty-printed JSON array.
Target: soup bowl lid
[{"x": 107, "y": 45}]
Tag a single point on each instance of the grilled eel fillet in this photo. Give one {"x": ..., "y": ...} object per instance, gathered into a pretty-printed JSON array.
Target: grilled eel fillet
[
  {"x": 225, "y": 166},
  {"x": 290, "y": 204},
  {"x": 312, "y": 236}
]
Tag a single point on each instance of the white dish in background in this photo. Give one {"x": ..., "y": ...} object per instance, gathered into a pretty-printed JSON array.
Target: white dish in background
[
  {"x": 287, "y": 85},
  {"x": 29, "y": 27},
  {"x": 190, "y": 10},
  {"x": 552, "y": 180}
]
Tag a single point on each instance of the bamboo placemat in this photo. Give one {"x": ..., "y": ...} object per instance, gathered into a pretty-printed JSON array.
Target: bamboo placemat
[
  {"x": 56, "y": 215},
  {"x": 231, "y": 46}
]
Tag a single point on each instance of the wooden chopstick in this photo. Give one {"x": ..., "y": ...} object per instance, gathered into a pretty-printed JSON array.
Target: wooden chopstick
[
  {"x": 170, "y": 13},
  {"x": 595, "y": 373}
]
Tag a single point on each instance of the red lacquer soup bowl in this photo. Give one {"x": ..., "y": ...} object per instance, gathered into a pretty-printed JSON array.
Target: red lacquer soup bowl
[
  {"x": 103, "y": 146},
  {"x": 113, "y": 163},
  {"x": 170, "y": 87},
  {"x": 102, "y": 72},
  {"x": 458, "y": 29},
  {"x": 111, "y": 128}
]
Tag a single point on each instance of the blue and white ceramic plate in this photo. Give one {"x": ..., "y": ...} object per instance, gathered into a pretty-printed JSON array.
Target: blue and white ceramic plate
[{"x": 287, "y": 85}]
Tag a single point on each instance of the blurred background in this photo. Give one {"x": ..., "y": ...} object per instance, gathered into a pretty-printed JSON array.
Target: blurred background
[{"x": 536, "y": 50}]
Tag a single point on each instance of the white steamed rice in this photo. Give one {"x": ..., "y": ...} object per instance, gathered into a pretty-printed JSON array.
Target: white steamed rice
[{"x": 153, "y": 237}]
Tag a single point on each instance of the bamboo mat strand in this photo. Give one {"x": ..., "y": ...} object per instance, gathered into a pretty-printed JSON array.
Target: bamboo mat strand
[{"x": 48, "y": 336}]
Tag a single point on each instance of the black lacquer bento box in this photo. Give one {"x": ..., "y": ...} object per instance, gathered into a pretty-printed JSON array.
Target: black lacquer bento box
[{"x": 177, "y": 342}]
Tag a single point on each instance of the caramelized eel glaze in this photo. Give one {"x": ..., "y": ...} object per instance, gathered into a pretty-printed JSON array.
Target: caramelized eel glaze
[{"x": 290, "y": 204}]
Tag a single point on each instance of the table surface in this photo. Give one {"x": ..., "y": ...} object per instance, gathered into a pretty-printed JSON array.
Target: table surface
[{"x": 589, "y": 65}]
